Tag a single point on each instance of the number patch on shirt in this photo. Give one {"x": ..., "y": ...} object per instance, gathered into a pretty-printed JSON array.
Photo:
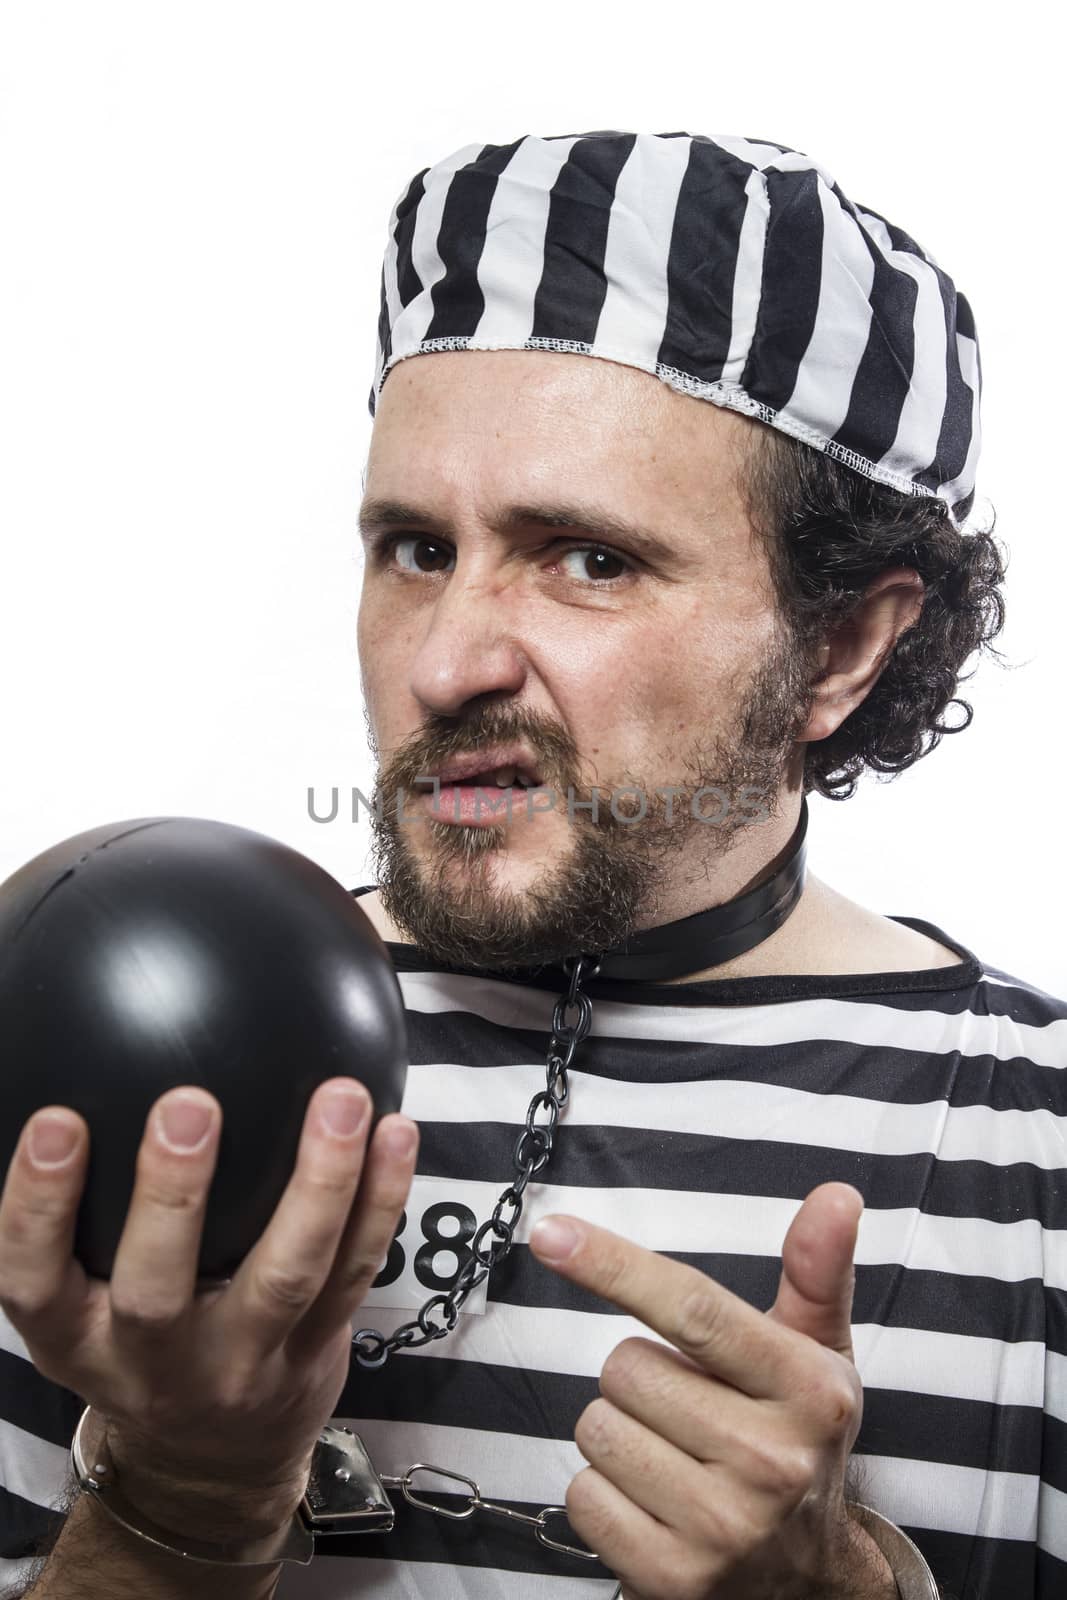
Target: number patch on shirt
[{"x": 429, "y": 1248}]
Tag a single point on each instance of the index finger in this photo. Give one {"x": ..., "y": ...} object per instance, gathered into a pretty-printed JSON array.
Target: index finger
[{"x": 712, "y": 1326}]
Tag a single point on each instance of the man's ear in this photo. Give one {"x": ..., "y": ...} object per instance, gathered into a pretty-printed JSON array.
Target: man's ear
[{"x": 852, "y": 657}]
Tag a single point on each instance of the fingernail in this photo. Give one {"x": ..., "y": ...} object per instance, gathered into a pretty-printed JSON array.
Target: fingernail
[
  {"x": 555, "y": 1239},
  {"x": 53, "y": 1140},
  {"x": 399, "y": 1139},
  {"x": 184, "y": 1123},
  {"x": 344, "y": 1111}
]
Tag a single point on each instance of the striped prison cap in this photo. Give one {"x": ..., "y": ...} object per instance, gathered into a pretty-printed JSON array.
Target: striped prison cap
[{"x": 733, "y": 269}]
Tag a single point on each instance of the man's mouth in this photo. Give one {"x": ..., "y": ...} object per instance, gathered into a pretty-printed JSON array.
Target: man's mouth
[
  {"x": 485, "y": 770},
  {"x": 463, "y": 788},
  {"x": 500, "y": 778}
]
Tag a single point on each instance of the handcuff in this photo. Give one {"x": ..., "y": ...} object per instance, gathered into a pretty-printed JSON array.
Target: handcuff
[{"x": 344, "y": 1494}]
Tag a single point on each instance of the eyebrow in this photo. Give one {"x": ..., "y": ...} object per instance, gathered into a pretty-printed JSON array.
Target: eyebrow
[{"x": 597, "y": 522}]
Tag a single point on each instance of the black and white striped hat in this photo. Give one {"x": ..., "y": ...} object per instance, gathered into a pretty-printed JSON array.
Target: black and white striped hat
[{"x": 733, "y": 269}]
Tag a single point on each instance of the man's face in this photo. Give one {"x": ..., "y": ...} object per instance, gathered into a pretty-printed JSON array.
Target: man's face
[{"x": 560, "y": 575}]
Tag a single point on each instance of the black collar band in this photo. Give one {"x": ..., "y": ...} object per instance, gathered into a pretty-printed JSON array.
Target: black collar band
[{"x": 708, "y": 938}]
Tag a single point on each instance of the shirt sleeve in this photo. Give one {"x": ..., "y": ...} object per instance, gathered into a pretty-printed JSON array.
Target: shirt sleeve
[{"x": 37, "y": 1422}]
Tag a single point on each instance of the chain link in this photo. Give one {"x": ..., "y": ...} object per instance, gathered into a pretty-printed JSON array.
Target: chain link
[
  {"x": 490, "y": 1244},
  {"x": 477, "y": 1502},
  {"x": 495, "y": 1237}
]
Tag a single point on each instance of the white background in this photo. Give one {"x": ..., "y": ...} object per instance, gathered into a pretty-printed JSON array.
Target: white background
[{"x": 193, "y": 204}]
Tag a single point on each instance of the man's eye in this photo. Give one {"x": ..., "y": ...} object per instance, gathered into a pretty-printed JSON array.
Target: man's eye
[
  {"x": 589, "y": 561},
  {"x": 420, "y": 554}
]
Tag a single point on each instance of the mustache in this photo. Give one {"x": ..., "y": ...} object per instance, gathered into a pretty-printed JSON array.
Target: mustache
[{"x": 440, "y": 740}]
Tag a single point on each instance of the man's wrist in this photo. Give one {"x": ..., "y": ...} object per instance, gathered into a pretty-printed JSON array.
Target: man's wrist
[
  {"x": 868, "y": 1573},
  {"x": 95, "y": 1556},
  {"x": 187, "y": 1503},
  {"x": 912, "y": 1575}
]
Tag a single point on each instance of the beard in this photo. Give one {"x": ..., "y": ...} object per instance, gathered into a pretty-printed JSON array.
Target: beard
[{"x": 593, "y": 895}]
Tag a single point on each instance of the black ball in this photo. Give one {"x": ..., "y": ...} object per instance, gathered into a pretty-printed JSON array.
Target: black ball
[{"x": 178, "y": 950}]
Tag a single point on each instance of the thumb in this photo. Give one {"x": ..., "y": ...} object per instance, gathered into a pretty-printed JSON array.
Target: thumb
[{"x": 815, "y": 1291}]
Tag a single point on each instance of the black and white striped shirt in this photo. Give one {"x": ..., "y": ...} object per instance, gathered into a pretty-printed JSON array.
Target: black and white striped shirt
[{"x": 700, "y": 1116}]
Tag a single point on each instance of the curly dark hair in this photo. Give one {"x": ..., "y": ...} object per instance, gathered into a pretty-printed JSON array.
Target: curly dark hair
[{"x": 829, "y": 532}]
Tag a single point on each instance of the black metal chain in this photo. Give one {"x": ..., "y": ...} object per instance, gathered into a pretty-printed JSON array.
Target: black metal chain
[{"x": 495, "y": 1237}]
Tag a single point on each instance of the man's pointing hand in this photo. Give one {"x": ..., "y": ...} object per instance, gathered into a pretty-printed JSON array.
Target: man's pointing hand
[{"x": 717, "y": 1467}]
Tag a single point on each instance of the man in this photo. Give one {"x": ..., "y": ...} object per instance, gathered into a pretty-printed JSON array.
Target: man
[{"x": 663, "y": 531}]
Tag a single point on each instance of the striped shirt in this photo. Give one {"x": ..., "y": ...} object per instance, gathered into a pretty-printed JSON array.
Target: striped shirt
[{"x": 700, "y": 1116}]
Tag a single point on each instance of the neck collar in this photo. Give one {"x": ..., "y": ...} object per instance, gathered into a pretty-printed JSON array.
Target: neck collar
[
  {"x": 705, "y": 939},
  {"x": 708, "y": 938}
]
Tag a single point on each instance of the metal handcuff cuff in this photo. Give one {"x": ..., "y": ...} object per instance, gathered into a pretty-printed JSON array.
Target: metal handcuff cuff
[{"x": 344, "y": 1493}]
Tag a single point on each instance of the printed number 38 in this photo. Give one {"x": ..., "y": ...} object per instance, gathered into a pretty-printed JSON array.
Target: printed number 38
[{"x": 452, "y": 1241}]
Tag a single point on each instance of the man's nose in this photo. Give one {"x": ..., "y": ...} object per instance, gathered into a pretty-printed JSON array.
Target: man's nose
[{"x": 470, "y": 648}]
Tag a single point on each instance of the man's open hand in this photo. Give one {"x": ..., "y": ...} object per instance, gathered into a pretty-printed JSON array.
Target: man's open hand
[
  {"x": 213, "y": 1398},
  {"x": 716, "y": 1468}
]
